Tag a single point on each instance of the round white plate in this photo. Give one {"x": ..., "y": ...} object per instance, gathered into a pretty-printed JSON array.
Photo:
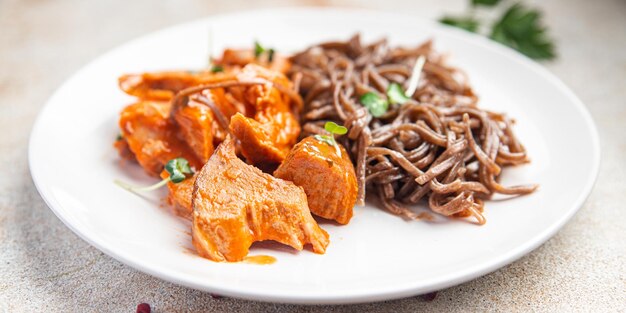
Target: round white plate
[{"x": 377, "y": 256}]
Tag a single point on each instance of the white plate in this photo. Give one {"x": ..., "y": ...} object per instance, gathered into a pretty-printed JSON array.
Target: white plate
[{"x": 377, "y": 256}]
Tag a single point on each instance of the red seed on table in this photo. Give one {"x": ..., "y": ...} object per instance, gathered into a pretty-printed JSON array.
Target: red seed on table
[{"x": 143, "y": 308}]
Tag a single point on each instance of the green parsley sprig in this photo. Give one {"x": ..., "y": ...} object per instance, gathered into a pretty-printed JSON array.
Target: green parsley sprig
[
  {"x": 178, "y": 169},
  {"x": 334, "y": 129},
  {"x": 520, "y": 28}
]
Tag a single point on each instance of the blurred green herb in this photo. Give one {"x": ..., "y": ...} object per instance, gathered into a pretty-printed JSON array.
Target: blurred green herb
[
  {"x": 259, "y": 50},
  {"x": 468, "y": 23},
  {"x": 217, "y": 68},
  {"x": 488, "y": 3},
  {"x": 520, "y": 28}
]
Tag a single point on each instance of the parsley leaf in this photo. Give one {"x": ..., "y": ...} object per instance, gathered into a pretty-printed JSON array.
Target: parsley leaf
[
  {"x": 177, "y": 168},
  {"x": 520, "y": 28},
  {"x": 488, "y": 3},
  {"x": 468, "y": 23},
  {"x": 375, "y": 104},
  {"x": 396, "y": 94},
  {"x": 217, "y": 68}
]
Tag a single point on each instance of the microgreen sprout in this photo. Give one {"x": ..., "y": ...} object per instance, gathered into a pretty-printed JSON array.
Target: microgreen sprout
[
  {"x": 217, "y": 68},
  {"x": 333, "y": 129},
  {"x": 375, "y": 104},
  {"x": 396, "y": 94},
  {"x": 415, "y": 76},
  {"x": 378, "y": 106},
  {"x": 177, "y": 168},
  {"x": 259, "y": 50}
]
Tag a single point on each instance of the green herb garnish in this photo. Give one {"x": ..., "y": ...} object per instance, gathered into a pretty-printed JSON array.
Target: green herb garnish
[
  {"x": 177, "y": 168},
  {"x": 468, "y": 23},
  {"x": 396, "y": 95},
  {"x": 260, "y": 50},
  {"x": 119, "y": 137},
  {"x": 217, "y": 68},
  {"x": 488, "y": 3},
  {"x": 334, "y": 129},
  {"x": 519, "y": 27},
  {"x": 375, "y": 104}
]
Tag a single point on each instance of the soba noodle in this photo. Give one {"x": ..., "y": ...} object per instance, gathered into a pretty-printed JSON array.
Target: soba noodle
[{"x": 438, "y": 146}]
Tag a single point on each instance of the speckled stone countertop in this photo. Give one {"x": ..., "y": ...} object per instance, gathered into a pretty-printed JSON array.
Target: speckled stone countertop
[{"x": 44, "y": 267}]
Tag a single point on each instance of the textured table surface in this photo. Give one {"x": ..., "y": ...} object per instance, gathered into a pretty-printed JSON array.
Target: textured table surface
[{"x": 46, "y": 267}]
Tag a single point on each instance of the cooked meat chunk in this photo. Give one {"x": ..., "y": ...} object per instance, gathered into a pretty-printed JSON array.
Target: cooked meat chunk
[
  {"x": 151, "y": 137},
  {"x": 327, "y": 178},
  {"x": 196, "y": 124},
  {"x": 235, "y": 204},
  {"x": 256, "y": 144},
  {"x": 267, "y": 136},
  {"x": 180, "y": 194},
  {"x": 157, "y": 85}
]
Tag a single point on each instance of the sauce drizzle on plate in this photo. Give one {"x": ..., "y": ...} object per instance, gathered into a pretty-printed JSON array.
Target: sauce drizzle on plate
[{"x": 259, "y": 259}]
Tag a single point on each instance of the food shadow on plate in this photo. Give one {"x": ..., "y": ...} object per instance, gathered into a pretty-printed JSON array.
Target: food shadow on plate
[{"x": 421, "y": 210}]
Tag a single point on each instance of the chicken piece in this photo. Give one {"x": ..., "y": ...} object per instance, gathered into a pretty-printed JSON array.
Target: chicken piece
[
  {"x": 179, "y": 196},
  {"x": 256, "y": 142},
  {"x": 164, "y": 85},
  {"x": 327, "y": 178},
  {"x": 151, "y": 136},
  {"x": 158, "y": 85},
  {"x": 235, "y": 204},
  {"x": 268, "y": 136},
  {"x": 196, "y": 124}
]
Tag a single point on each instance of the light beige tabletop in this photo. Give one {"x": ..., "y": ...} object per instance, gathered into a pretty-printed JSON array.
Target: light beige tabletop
[{"x": 44, "y": 267}]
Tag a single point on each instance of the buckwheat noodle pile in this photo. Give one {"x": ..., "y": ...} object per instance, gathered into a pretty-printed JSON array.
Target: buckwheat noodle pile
[{"x": 438, "y": 146}]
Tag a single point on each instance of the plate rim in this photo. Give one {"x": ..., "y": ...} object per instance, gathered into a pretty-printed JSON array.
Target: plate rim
[{"x": 399, "y": 291}]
